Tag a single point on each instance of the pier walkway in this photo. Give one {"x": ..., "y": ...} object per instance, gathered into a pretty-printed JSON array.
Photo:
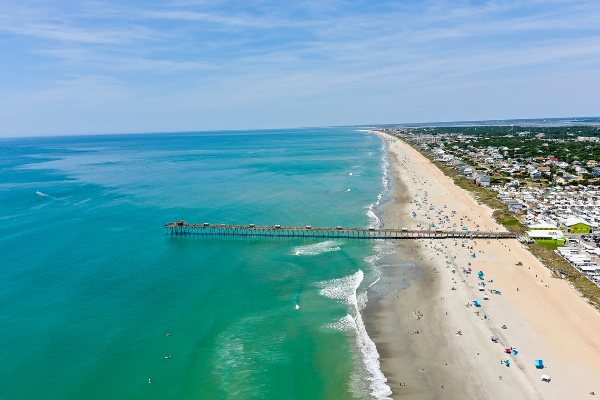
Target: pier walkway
[{"x": 180, "y": 228}]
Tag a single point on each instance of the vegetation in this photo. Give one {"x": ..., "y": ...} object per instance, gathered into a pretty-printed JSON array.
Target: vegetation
[
  {"x": 562, "y": 269},
  {"x": 554, "y": 132},
  {"x": 483, "y": 195},
  {"x": 544, "y": 252}
]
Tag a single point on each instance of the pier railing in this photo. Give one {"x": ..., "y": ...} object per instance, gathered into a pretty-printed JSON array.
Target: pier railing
[{"x": 180, "y": 228}]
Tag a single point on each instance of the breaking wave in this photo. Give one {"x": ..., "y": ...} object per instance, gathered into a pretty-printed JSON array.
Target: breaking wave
[
  {"x": 317, "y": 248},
  {"x": 345, "y": 290}
]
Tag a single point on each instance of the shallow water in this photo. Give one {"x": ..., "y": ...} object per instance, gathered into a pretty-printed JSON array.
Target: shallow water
[{"x": 97, "y": 300}]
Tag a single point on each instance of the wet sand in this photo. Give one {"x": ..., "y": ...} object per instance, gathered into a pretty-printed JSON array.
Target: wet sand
[{"x": 545, "y": 319}]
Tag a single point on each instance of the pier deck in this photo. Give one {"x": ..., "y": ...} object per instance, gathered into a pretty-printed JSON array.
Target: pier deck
[{"x": 180, "y": 228}]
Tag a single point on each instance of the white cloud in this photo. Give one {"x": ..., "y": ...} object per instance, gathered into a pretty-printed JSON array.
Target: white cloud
[{"x": 201, "y": 57}]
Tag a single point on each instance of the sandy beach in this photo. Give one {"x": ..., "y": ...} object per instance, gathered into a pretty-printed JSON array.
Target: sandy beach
[{"x": 544, "y": 319}]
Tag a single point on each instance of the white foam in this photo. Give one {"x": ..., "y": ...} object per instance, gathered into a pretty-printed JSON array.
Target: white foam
[
  {"x": 315, "y": 249},
  {"x": 41, "y": 194},
  {"x": 345, "y": 290},
  {"x": 374, "y": 222},
  {"x": 343, "y": 324}
]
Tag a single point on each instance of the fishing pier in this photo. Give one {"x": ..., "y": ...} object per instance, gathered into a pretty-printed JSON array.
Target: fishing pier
[{"x": 180, "y": 228}]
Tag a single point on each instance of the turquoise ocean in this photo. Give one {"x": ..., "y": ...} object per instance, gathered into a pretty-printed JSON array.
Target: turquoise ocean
[{"x": 98, "y": 303}]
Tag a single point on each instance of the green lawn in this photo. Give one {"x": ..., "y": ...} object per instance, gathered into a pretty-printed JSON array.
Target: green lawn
[{"x": 550, "y": 245}]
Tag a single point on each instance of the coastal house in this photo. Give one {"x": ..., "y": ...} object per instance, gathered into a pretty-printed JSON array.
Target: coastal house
[
  {"x": 482, "y": 180},
  {"x": 535, "y": 175},
  {"x": 544, "y": 170},
  {"x": 517, "y": 207}
]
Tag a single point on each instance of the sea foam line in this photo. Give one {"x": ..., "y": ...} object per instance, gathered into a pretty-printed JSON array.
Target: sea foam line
[{"x": 345, "y": 290}]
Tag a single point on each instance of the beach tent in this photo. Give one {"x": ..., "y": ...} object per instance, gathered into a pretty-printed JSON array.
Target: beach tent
[
  {"x": 539, "y": 364},
  {"x": 486, "y": 297},
  {"x": 546, "y": 378},
  {"x": 477, "y": 303},
  {"x": 515, "y": 352},
  {"x": 507, "y": 363}
]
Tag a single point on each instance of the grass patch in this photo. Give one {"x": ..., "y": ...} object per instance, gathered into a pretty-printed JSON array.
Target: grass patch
[{"x": 550, "y": 245}]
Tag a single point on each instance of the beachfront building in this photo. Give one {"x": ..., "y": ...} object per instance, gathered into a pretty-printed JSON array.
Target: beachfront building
[
  {"x": 482, "y": 180},
  {"x": 547, "y": 236},
  {"x": 576, "y": 225},
  {"x": 542, "y": 227}
]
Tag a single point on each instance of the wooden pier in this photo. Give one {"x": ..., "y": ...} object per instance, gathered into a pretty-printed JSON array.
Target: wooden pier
[{"x": 180, "y": 228}]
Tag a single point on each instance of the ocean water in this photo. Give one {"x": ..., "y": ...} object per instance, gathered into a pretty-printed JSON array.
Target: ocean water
[{"x": 97, "y": 300}]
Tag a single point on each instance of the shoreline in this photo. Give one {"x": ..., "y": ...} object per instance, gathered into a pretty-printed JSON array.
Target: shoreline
[{"x": 468, "y": 365}]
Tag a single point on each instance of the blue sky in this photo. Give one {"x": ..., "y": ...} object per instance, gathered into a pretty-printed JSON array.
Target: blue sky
[{"x": 86, "y": 67}]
